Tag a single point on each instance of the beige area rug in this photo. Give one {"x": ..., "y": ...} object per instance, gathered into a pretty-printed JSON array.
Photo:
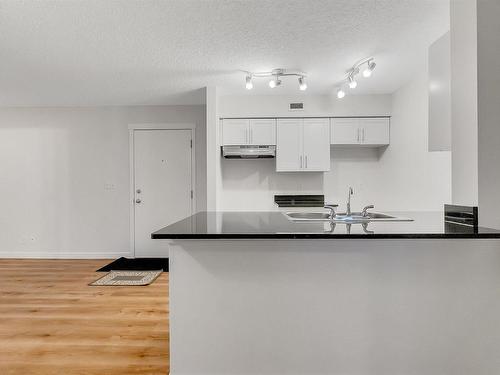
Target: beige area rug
[{"x": 127, "y": 278}]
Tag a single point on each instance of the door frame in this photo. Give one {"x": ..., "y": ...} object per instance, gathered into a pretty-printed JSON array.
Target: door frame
[{"x": 132, "y": 128}]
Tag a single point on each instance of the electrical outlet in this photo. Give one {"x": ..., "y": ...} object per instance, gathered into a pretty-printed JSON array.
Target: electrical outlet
[
  {"x": 23, "y": 240},
  {"x": 28, "y": 239},
  {"x": 109, "y": 186}
]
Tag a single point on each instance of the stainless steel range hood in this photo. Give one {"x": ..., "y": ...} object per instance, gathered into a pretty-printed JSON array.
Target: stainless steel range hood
[{"x": 248, "y": 152}]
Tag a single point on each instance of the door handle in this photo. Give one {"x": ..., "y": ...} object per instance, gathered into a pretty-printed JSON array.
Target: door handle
[
  {"x": 300, "y": 161},
  {"x": 306, "y": 161},
  {"x": 137, "y": 201},
  {"x": 358, "y": 135}
]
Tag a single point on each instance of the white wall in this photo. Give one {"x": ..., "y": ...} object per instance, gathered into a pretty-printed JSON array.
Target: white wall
[
  {"x": 213, "y": 163},
  {"x": 464, "y": 141},
  {"x": 408, "y": 176},
  {"x": 439, "y": 95},
  {"x": 475, "y": 93},
  {"x": 314, "y": 105},
  {"x": 54, "y": 166},
  {"x": 404, "y": 176},
  {"x": 488, "y": 58}
]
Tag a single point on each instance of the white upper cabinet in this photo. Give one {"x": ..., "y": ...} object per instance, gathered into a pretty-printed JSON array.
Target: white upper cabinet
[
  {"x": 360, "y": 131},
  {"x": 289, "y": 145},
  {"x": 303, "y": 145},
  {"x": 262, "y": 132},
  {"x": 375, "y": 131},
  {"x": 317, "y": 144},
  {"x": 344, "y": 131},
  {"x": 248, "y": 132},
  {"x": 235, "y": 132}
]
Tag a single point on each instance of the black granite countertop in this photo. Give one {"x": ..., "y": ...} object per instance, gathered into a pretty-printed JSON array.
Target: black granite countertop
[{"x": 275, "y": 225}]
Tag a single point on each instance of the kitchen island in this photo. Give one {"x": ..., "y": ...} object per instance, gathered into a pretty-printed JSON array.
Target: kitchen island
[{"x": 257, "y": 293}]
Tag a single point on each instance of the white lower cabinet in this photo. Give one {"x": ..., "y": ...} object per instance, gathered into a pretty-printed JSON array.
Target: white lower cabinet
[
  {"x": 360, "y": 131},
  {"x": 303, "y": 145}
]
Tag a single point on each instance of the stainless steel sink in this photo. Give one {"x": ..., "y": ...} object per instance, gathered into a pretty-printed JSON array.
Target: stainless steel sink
[
  {"x": 354, "y": 217},
  {"x": 368, "y": 216},
  {"x": 316, "y": 216},
  {"x": 378, "y": 215}
]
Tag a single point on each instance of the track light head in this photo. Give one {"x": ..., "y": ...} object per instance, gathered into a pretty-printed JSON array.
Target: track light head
[
  {"x": 352, "y": 82},
  {"x": 302, "y": 84},
  {"x": 249, "y": 83},
  {"x": 275, "y": 82},
  {"x": 369, "y": 69},
  {"x": 340, "y": 93}
]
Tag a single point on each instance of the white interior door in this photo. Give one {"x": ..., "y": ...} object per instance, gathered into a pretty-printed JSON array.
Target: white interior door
[{"x": 162, "y": 185}]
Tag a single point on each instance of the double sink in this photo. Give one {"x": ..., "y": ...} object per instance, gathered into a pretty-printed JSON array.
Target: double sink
[
  {"x": 354, "y": 217},
  {"x": 348, "y": 217}
]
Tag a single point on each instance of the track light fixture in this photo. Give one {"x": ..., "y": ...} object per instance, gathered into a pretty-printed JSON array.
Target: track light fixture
[
  {"x": 276, "y": 75},
  {"x": 351, "y": 75}
]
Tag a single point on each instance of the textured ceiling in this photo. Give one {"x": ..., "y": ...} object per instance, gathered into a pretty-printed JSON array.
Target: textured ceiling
[{"x": 125, "y": 52}]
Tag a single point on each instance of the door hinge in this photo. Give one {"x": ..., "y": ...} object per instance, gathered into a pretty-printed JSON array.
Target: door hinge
[
  {"x": 191, "y": 143},
  {"x": 192, "y": 194}
]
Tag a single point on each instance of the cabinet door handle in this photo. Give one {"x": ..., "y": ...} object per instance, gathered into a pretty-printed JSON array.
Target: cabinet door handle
[
  {"x": 251, "y": 136},
  {"x": 358, "y": 136},
  {"x": 306, "y": 161},
  {"x": 300, "y": 161},
  {"x": 363, "y": 135},
  {"x": 246, "y": 136}
]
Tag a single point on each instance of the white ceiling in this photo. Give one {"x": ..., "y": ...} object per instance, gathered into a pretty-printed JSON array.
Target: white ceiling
[{"x": 126, "y": 52}]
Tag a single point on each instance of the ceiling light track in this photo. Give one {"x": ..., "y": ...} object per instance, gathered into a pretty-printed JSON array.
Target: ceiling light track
[
  {"x": 276, "y": 75},
  {"x": 350, "y": 79}
]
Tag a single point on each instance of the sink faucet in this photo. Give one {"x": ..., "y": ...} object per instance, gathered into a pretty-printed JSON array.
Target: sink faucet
[
  {"x": 332, "y": 208},
  {"x": 350, "y": 192},
  {"x": 364, "y": 213}
]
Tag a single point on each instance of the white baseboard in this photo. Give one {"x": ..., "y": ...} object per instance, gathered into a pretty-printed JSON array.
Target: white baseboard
[{"x": 65, "y": 255}]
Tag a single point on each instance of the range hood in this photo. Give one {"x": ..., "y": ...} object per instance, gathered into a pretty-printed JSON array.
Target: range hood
[{"x": 248, "y": 152}]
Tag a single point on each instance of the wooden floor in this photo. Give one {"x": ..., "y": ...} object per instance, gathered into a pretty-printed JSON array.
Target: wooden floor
[{"x": 52, "y": 322}]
